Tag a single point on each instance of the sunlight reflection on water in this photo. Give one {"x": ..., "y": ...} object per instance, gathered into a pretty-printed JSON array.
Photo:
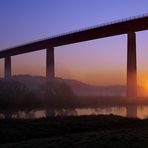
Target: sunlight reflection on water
[{"x": 142, "y": 112}]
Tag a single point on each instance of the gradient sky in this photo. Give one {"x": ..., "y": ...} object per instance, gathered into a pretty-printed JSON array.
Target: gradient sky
[{"x": 100, "y": 62}]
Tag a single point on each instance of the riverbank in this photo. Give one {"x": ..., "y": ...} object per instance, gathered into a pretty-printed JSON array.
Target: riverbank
[{"x": 83, "y": 131}]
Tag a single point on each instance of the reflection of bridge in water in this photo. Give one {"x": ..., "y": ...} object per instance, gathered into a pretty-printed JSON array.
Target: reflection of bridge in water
[
  {"x": 126, "y": 26},
  {"x": 130, "y": 105}
]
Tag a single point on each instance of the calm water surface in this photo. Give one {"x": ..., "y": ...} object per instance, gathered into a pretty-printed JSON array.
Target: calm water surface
[{"x": 139, "y": 112}]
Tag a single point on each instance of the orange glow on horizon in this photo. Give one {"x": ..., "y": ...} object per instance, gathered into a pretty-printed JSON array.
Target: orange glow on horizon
[
  {"x": 143, "y": 82},
  {"x": 146, "y": 86},
  {"x": 94, "y": 77}
]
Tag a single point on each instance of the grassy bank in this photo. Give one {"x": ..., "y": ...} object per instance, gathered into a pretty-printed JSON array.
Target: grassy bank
[{"x": 83, "y": 131}]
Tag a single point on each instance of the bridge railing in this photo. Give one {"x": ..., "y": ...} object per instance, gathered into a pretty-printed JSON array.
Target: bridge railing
[
  {"x": 87, "y": 28},
  {"x": 99, "y": 25}
]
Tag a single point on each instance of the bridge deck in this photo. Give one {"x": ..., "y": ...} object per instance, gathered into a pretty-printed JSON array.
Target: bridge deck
[{"x": 104, "y": 30}]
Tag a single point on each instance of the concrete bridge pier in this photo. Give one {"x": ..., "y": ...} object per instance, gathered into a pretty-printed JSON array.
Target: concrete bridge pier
[
  {"x": 50, "y": 70},
  {"x": 131, "y": 74},
  {"x": 7, "y": 76},
  {"x": 7, "y": 64}
]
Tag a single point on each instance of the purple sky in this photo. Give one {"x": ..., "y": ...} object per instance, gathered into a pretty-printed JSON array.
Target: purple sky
[{"x": 100, "y": 61}]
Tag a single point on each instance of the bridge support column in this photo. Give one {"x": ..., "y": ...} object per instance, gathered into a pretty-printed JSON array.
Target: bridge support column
[
  {"x": 50, "y": 71},
  {"x": 7, "y": 74},
  {"x": 131, "y": 74}
]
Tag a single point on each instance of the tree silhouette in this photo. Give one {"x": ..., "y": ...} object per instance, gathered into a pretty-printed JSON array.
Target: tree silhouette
[
  {"x": 12, "y": 96},
  {"x": 56, "y": 96}
]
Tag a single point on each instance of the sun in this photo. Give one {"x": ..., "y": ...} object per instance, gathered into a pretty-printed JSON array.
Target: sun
[{"x": 145, "y": 89}]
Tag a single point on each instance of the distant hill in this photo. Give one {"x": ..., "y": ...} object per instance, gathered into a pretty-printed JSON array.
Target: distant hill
[
  {"x": 79, "y": 88},
  {"x": 86, "y": 89}
]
